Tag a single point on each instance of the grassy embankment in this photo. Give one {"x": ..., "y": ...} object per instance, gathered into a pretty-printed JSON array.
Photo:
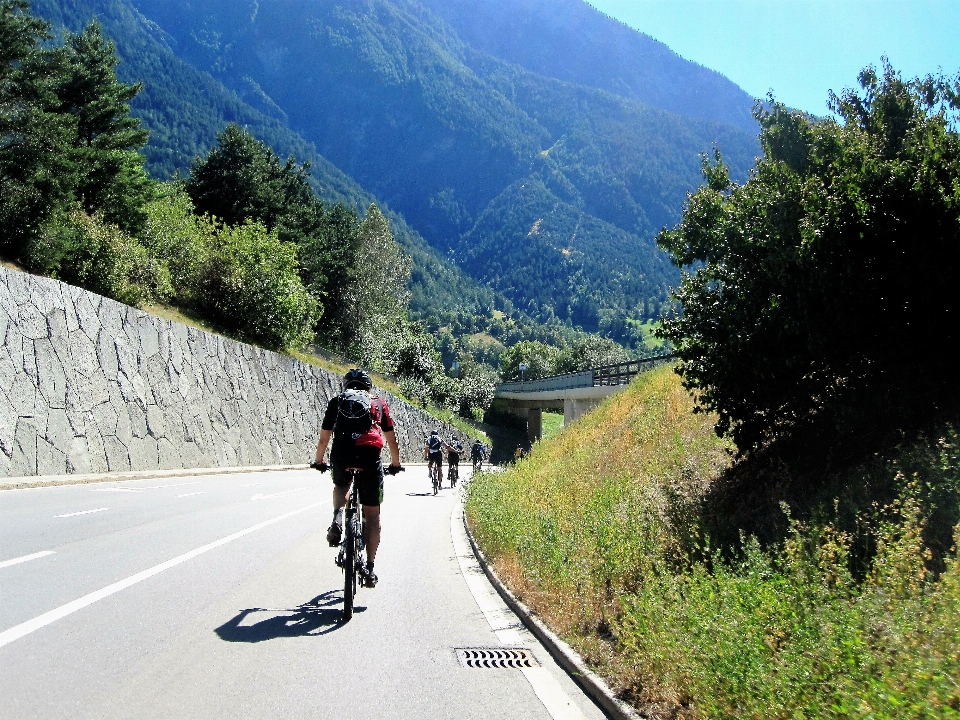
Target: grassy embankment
[{"x": 598, "y": 530}]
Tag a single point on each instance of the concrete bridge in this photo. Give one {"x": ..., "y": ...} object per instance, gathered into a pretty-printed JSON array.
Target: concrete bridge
[{"x": 574, "y": 393}]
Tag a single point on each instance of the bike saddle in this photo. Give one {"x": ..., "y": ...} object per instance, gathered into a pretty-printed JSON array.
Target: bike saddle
[{"x": 353, "y": 470}]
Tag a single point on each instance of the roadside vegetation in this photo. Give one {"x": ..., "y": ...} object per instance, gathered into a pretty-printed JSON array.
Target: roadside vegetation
[
  {"x": 601, "y": 532},
  {"x": 771, "y": 530}
]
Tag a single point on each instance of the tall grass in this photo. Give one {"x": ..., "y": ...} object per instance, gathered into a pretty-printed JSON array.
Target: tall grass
[{"x": 598, "y": 531}]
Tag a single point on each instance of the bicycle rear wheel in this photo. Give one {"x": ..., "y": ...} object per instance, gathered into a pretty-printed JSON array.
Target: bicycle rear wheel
[{"x": 349, "y": 570}]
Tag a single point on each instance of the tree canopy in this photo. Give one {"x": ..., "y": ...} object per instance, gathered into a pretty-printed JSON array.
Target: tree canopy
[{"x": 819, "y": 302}]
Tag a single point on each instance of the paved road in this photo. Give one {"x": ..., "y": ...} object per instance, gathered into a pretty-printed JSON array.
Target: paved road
[{"x": 216, "y": 597}]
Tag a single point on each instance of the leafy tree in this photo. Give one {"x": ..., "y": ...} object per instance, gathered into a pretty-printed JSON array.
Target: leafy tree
[
  {"x": 592, "y": 351},
  {"x": 248, "y": 284},
  {"x": 541, "y": 361},
  {"x": 110, "y": 177},
  {"x": 177, "y": 237},
  {"x": 376, "y": 298},
  {"x": 821, "y": 307}
]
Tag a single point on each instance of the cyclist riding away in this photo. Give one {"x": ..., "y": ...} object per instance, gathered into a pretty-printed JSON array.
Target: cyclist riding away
[
  {"x": 359, "y": 422},
  {"x": 433, "y": 452},
  {"x": 477, "y": 454},
  {"x": 454, "y": 452}
]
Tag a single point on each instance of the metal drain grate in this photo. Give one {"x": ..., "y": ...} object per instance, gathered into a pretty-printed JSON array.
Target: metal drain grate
[{"x": 496, "y": 657}]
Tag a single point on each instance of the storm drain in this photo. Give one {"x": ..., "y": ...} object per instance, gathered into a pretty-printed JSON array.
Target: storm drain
[{"x": 496, "y": 657}]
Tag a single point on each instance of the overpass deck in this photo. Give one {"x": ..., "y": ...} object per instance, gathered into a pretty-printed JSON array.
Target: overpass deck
[{"x": 575, "y": 393}]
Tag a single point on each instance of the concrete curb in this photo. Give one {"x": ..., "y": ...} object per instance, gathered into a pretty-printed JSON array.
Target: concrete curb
[{"x": 568, "y": 658}]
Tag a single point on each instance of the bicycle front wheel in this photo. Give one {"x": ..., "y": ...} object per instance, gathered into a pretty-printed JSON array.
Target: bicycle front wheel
[{"x": 350, "y": 561}]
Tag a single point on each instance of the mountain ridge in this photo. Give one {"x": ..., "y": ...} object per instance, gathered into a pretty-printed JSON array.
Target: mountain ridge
[{"x": 390, "y": 95}]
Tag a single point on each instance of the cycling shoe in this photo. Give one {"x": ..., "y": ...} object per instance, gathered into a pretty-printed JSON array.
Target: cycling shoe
[{"x": 334, "y": 534}]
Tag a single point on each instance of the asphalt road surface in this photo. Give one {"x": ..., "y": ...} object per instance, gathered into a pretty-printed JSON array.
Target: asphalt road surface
[{"x": 215, "y": 596}]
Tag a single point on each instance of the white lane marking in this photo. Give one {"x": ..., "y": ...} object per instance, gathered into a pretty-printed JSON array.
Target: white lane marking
[
  {"x": 82, "y": 512},
  {"x": 25, "y": 628},
  {"x": 116, "y": 489},
  {"x": 25, "y": 558},
  {"x": 158, "y": 487},
  {"x": 504, "y": 623},
  {"x": 279, "y": 494},
  {"x": 251, "y": 484},
  {"x": 191, "y": 494}
]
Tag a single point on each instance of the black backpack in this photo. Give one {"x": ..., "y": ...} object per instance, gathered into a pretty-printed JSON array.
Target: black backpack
[
  {"x": 434, "y": 443},
  {"x": 354, "y": 416}
]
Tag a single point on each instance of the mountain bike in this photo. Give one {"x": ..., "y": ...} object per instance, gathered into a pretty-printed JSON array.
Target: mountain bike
[
  {"x": 350, "y": 557},
  {"x": 453, "y": 474}
]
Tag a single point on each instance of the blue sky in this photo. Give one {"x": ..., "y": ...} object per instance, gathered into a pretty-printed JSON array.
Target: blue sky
[{"x": 800, "y": 48}]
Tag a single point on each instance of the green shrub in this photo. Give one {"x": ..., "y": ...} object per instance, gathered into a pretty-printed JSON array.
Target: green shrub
[
  {"x": 248, "y": 284},
  {"x": 176, "y": 236},
  {"x": 84, "y": 250}
]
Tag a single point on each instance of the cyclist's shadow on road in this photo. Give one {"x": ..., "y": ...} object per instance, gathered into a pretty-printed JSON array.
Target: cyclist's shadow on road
[{"x": 317, "y": 617}]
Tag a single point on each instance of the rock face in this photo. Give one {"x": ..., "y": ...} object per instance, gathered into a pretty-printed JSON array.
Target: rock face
[{"x": 88, "y": 385}]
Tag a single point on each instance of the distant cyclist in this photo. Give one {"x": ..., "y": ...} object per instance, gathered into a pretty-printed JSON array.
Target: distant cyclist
[
  {"x": 433, "y": 452},
  {"x": 359, "y": 423},
  {"x": 478, "y": 454},
  {"x": 454, "y": 451}
]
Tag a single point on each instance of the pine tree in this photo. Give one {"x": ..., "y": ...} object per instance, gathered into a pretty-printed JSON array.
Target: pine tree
[
  {"x": 110, "y": 174},
  {"x": 35, "y": 172}
]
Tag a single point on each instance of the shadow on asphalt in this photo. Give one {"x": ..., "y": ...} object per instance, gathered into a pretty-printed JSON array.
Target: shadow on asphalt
[
  {"x": 317, "y": 617},
  {"x": 426, "y": 494}
]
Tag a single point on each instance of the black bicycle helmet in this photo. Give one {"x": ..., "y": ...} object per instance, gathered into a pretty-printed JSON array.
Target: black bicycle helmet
[{"x": 357, "y": 378}]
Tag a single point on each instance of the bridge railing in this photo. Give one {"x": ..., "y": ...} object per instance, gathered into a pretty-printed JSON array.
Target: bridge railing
[{"x": 618, "y": 374}]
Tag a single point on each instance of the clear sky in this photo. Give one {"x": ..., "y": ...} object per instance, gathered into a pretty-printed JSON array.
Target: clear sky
[{"x": 800, "y": 48}]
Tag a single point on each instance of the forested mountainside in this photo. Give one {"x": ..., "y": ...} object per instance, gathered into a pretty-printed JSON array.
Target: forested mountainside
[
  {"x": 572, "y": 41},
  {"x": 184, "y": 108},
  {"x": 521, "y": 170}
]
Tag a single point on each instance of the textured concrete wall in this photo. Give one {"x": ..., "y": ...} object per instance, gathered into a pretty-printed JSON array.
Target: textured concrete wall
[{"x": 90, "y": 385}]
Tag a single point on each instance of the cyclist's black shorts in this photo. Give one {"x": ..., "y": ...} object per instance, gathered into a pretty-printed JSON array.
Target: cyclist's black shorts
[
  {"x": 370, "y": 481},
  {"x": 435, "y": 457}
]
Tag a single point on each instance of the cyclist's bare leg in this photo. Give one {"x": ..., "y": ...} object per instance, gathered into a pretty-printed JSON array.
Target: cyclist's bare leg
[
  {"x": 340, "y": 497},
  {"x": 371, "y": 530}
]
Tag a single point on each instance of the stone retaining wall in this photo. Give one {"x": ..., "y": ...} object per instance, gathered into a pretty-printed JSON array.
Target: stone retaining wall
[{"x": 90, "y": 385}]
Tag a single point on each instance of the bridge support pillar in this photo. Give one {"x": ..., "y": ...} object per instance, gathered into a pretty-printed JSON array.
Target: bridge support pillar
[
  {"x": 534, "y": 424},
  {"x": 573, "y": 409}
]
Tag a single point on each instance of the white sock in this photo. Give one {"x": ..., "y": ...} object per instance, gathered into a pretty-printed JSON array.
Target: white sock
[{"x": 338, "y": 516}]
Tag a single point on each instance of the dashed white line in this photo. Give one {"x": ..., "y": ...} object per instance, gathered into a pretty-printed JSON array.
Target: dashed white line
[
  {"x": 116, "y": 489},
  {"x": 82, "y": 512},
  {"x": 191, "y": 494},
  {"x": 25, "y": 558},
  {"x": 251, "y": 484},
  {"x": 158, "y": 487},
  {"x": 25, "y": 628},
  {"x": 279, "y": 494}
]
